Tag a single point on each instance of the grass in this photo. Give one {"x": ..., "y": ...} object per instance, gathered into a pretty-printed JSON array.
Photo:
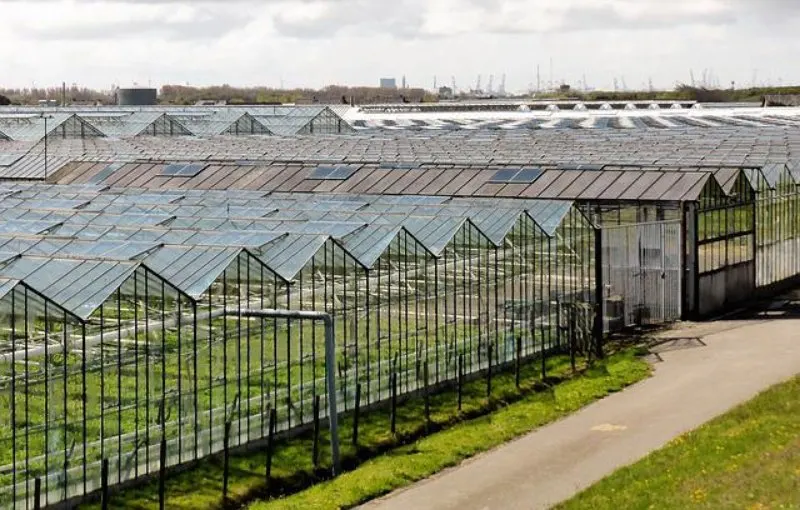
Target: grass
[
  {"x": 404, "y": 457},
  {"x": 748, "y": 458}
]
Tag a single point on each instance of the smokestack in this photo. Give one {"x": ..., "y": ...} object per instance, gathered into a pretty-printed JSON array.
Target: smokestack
[{"x": 63, "y": 93}]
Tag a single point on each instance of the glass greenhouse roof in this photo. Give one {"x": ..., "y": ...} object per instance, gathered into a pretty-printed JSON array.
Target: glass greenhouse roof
[
  {"x": 288, "y": 255},
  {"x": 80, "y": 286},
  {"x": 7, "y": 285},
  {"x": 191, "y": 245}
]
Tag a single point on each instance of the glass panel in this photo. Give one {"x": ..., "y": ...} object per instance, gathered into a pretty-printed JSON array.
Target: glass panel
[{"x": 504, "y": 176}]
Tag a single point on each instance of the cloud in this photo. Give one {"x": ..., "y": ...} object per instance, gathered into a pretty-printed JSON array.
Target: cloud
[
  {"x": 145, "y": 19},
  {"x": 402, "y": 19},
  {"x": 207, "y": 28},
  {"x": 319, "y": 19},
  {"x": 444, "y": 18},
  {"x": 319, "y": 42}
]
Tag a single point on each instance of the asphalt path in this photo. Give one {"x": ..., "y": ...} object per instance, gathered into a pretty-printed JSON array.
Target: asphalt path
[{"x": 701, "y": 371}]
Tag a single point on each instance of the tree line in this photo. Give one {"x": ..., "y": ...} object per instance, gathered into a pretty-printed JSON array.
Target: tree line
[
  {"x": 336, "y": 94},
  {"x": 187, "y": 95}
]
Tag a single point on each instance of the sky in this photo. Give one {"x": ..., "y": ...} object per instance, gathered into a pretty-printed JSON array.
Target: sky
[{"x": 314, "y": 43}]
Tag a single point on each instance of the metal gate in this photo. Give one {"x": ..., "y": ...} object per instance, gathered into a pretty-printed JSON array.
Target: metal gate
[{"x": 641, "y": 274}]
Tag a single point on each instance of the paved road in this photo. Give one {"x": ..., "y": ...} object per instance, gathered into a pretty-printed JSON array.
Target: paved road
[{"x": 692, "y": 384}]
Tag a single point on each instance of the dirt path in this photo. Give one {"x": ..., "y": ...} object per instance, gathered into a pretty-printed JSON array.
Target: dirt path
[{"x": 694, "y": 381}]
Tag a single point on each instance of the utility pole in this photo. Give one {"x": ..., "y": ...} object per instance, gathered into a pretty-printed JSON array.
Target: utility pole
[
  {"x": 45, "y": 116},
  {"x": 538, "y": 79}
]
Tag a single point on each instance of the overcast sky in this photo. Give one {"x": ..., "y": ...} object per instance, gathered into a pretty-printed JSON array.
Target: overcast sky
[{"x": 319, "y": 42}]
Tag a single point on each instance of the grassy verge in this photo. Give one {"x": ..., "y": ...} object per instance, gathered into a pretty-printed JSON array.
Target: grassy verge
[
  {"x": 422, "y": 458},
  {"x": 748, "y": 458},
  {"x": 418, "y": 449}
]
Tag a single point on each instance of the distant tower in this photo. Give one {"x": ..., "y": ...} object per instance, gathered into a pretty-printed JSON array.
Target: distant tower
[{"x": 404, "y": 81}]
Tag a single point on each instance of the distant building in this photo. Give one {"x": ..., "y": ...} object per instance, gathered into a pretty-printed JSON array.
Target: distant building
[
  {"x": 388, "y": 83},
  {"x": 446, "y": 93},
  {"x": 137, "y": 97}
]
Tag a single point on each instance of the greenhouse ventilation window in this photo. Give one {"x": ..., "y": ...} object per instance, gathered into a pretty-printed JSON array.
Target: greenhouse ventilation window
[
  {"x": 334, "y": 172},
  {"x": 516, "y": 176},
  {"x": 105, "y": 173},
  {"x": 183, "y": 170}
]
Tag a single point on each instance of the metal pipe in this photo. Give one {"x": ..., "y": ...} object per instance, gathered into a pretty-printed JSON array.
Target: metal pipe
[{"x": 330, "y": 364}]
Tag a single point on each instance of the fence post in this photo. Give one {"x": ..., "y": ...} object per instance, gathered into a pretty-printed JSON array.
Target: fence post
[
  {"x": 489, "y": 370},
  {"x": 393, "y": 426},
  {"x": 226, "y": 461},
  {"x": 315, "y": 447},
  {"x": 518, "y": 360},
  {"x": 571, "y": 337},
  {"x": 460, "y": 379},
  {"x": 273, "y": 419},
  {"x": 162, "y": 475},
  {"x": 104, "y": 484},
  {"x": 37, "y": 494},
  {"x": 356, "y": 413},
  {"x": 427, "y": 399}
]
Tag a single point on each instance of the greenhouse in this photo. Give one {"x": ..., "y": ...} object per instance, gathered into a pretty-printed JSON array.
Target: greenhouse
[
  {"x": 31, "y": 125},
  {"x": 158, "y": 349},
  {"x": 128, "y": 289}
]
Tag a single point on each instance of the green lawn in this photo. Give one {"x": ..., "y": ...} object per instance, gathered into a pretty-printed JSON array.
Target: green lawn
[
  {"x": 426, "y": 456},
  {"x": 406, "y": 456},
  {"x": 748, "y": 458}
]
